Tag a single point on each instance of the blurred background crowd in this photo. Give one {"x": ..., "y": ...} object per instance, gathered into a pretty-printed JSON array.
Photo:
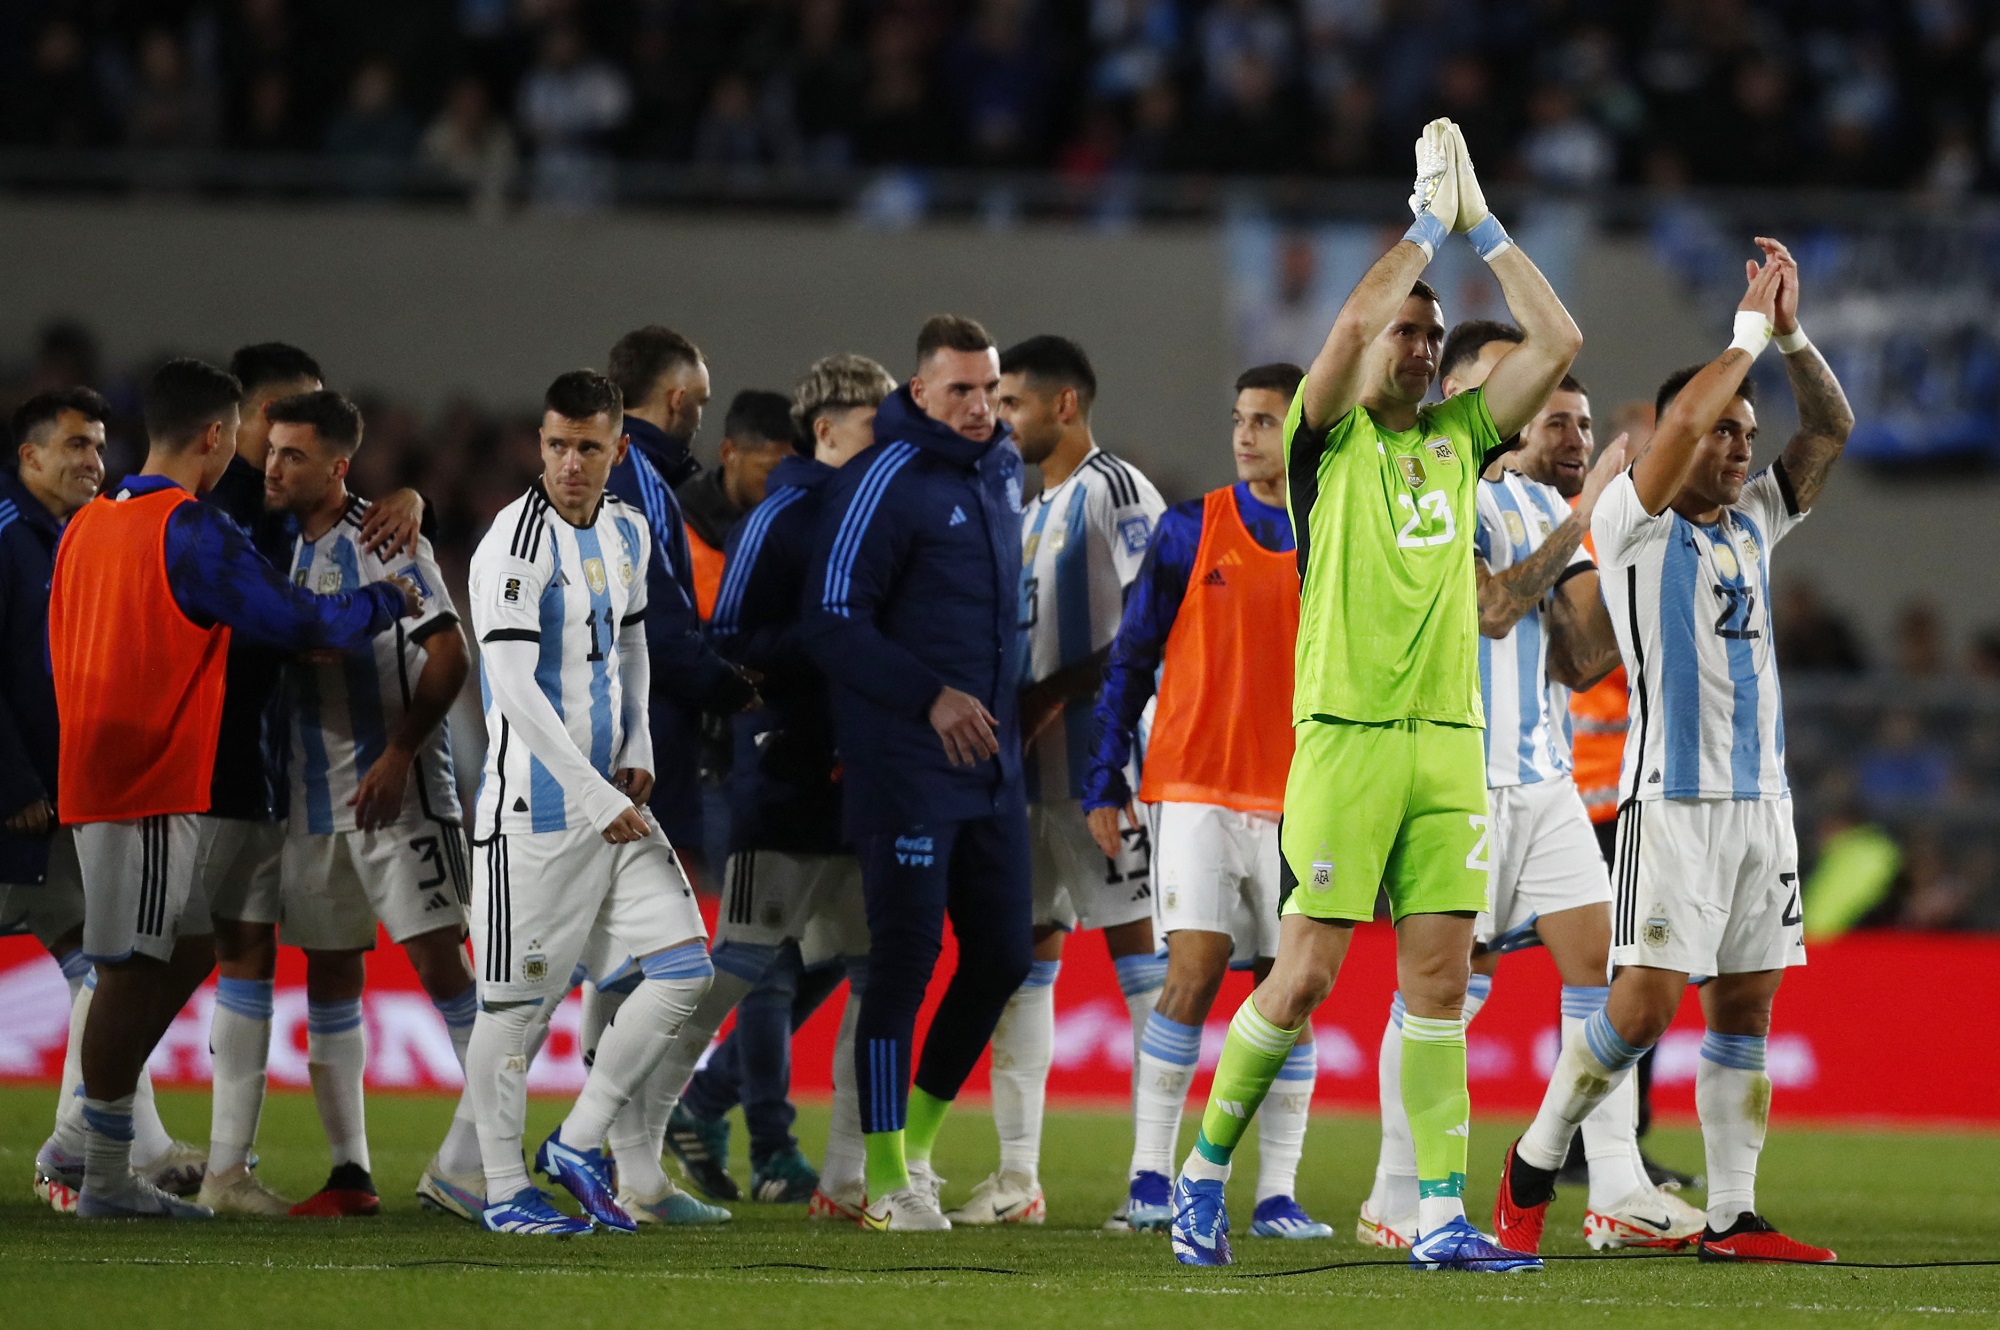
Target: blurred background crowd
[
  {"x": 1893, "y": 744},
  {"x": 544, "y": 97}
]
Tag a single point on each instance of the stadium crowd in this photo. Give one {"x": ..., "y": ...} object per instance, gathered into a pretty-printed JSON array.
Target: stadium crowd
[{"x": 548, "y": 94}]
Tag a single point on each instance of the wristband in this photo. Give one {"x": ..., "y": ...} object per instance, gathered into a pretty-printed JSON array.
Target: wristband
[
  {"x": 1427, "y": 233},
  {"x": 1793, "y": 342},
  {"x": 1490, "y": 239},
  {"x": 1753, "y": 332}
]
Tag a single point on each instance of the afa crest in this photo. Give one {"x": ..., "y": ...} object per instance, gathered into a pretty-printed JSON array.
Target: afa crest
[
  {"x": 534, "y": 967},
  {"x": 329, "y": 581},
  {"x": 1442, "y": 450},
  {"x": 625, "y": 571}
]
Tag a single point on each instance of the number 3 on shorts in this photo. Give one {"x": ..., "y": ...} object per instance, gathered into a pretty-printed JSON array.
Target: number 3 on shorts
[{"x": 1477, "y": 860}]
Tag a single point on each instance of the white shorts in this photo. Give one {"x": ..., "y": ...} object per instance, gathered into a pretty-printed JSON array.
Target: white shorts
[
  {"x": 1217, "y": 871},
  {"x": 413, "y": 877},
  {"x": 1545, "y": 860},
  {"x": 239, "y": 865},
  {"x": 1707, "y": 886},
  {"x": 52, "y": 908},
  {"x": 770, "y": 897},
  {"x": 140, "y": 886},
  {"x": 1075, "y": 886},
  {"x": 539, "y": 898}
]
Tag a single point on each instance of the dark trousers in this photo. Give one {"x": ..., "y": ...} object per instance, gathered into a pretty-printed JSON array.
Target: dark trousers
[
  {"x": 753, "y": 1066},
  {"x": 976, "y": 873}
]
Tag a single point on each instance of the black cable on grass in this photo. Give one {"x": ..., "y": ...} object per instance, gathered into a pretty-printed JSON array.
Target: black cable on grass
[
  {"x": 1637, "y": 1256},
  {"x": 878, "y": 1269}
]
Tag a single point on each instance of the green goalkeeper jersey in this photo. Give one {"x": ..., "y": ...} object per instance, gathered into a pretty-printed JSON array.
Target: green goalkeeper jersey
[{"x": 1389, "y": 606}]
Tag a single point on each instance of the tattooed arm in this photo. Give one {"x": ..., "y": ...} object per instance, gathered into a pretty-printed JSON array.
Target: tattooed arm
[
  {"x": 1825, "y": 419},
  {"x": 1505, "y": 596}
]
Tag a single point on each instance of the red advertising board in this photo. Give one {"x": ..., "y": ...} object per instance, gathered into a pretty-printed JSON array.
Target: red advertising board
[{"x": 1859, "y": 1033}]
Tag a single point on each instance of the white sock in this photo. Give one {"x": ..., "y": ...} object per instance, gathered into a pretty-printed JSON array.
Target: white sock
[
  {"x": 1024, "y": 1045},
  {"x": 675, "y": 981},
  {"x": 1612, "y": 1129},
  {"x": 1586, "y": 1073},
  {"x": 336, "y": 1058},
  {"x": 640, "y": 1126},
  {"x": 68, "y": 1136},
  {"x": 1281, "y": 1123},
  {"x": 107, "y": 1149},
  {"x": 845, "y": 1169},
  {"x": 1168, "y": 1054},
  {"x": 239, "y": 1042},
  {"x": 1732, "y": 1093},
  {"x": 1140, "y": 979},
  {"x": 1394, "y": 1194},
  {"x": 459, "y": 1154},
  {"x": 496, "y": 1069},
  {"x": 149, "y": 1135}
]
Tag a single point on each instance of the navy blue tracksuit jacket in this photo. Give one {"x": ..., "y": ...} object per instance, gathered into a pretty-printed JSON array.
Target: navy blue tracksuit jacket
[
  {"x": 914, "y": 586},
  {"x": 29, "y": 534},
  {"x": 688, "y": 676}
]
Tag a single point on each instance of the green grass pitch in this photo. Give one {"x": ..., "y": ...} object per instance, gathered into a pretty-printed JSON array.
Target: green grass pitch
[{"x": 1874, "y": 1196}]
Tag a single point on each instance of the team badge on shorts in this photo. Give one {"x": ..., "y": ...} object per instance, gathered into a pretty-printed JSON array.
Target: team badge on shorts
[
  {"x": 1657, "y": 932},
  {"x": 593, "y": 573},
  {"x": 1322, "y": 876},
  {"x": 1412, "y": 469},
  {"x": 534, "y": 967}
]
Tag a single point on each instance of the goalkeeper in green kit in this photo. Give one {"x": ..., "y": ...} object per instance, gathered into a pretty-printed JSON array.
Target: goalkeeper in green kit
[{"x": 1388, "y": 779}]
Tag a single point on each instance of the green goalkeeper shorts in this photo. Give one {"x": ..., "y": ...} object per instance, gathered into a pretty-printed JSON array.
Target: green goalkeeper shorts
[{"x": 1400, "y": 805}]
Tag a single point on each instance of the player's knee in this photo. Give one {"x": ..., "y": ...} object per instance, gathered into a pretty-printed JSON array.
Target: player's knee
[{"x": 685, "y": 966}]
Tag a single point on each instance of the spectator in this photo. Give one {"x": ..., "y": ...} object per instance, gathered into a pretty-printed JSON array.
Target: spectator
[
  {"x": 1919, "y": 641},
  {"x": 1811, "y": 637},
  {"x": 1234, "y": 29},
  {"x": 736, "y": 130},
  {"x": 1904, "y": 769},
  {"x": 997, "y": 71},
  {"x": 1254, "y": 132},
  {"x": 471, "y": 147},
  {"x": 1563, "y": 150},
  {"x": 900, "y": 122},
  {"x": 1984, "y": 663},
  {"x": 828, "y": 80},
  {"x": 55, "y": 103},
  {"x": 570, "y": 105},
  {"x": 373, "y": 136},
  {"x": 1136, "y": 41},
  {"x": 171, "y": 109},
  {"x": 271, "y": 119}
]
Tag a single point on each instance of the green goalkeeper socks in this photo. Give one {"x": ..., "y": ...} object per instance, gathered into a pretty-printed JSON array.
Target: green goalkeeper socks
[
  {"x": 1439, "y": 1109},
  {"x": 886, "y": 1169},
  {"x": 922, "y": 1123},
  {"x": 1252, "y": 1056}
]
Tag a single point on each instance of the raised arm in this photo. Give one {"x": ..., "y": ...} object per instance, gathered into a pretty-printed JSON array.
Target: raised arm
[
  {"x": 1506, "y": 597},
  {"x": 1662, "y": 465},
  {"x": 1334, "y": 384},
  {"x": 1825, "y": 418}
]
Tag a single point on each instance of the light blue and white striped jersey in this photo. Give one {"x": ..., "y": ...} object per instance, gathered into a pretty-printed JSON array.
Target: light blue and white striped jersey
[
  {"x": 573, "y": 592},
  {"x": 1081, "y": 545},
  {"x": 342, "y": 715},
  {"x": 1527, "y": 714},
  {"x": 1692, "y": 606}
]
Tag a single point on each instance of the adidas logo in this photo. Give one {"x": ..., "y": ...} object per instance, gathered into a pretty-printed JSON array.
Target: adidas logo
[
  {"x": 957, "y": 517},
  {"x": 1462, "y": 1129},
  {"x": 1232, "y": 1108},
  {"x": 1214, "y": 578}
]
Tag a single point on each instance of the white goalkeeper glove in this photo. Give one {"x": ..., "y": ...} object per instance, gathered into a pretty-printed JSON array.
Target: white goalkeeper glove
[
  {"x": 1481, "y": 227},
  {"x": 1434, "y": 197}
]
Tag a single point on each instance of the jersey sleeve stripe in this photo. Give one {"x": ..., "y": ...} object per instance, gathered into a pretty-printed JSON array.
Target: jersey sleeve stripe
[
  {"x": 512, "y": 635},
  {"x": 854, "y": 525},
  {"x": 736, "y": 573}
]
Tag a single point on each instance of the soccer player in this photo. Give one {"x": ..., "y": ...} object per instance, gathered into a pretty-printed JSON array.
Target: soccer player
[
  {"x": 366, "y": 842},
  {"x": 1082, "y": 540},
  {"x": 757, "y": 435},
  {"x": 1214, "y": 617},
  {"x": 792, "y": 882},
  {"x": 58, "y": 467},
  {"x": 1543, "y": 630},
  {"x": 242, "y": 839},
  {"x": 558, "y": 591},
  {"x": 148, "y": 574},
  {"x": 1707, "y": 874},
  {"x": 1387, "y": 788},
  {"x": 912, "y": 610}
]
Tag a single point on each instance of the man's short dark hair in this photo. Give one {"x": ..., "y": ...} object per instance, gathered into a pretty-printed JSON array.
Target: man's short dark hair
[
  {"x": 1464, "y": 343},
  {"x": 44, "y": 409},
  {"x": 758, "y": 416},
  {"x": 336, "y": 420},
  {"x": 184, "y": 397},
  {"x": 1424, "y": 289},
  {"x": 950, "y": 332},
  {"x": 1280, "y": 377},
  {"x": 272, "y": 362},
  {"x": 1680, "y": 379},
  {"x": 583, "y": 393},
  {"x": 1053, "y": 362},
  {"x": 1572, "y": 384},
  {"x": 643, "y": 355}
]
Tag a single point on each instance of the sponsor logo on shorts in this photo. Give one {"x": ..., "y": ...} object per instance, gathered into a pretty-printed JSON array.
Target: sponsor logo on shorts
[{"x": 534, "y": 967}]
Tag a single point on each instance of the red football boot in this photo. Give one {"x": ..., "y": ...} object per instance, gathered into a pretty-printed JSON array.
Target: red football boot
[
  {"x": 349, "y": 1193},
  {"x": 1751, "y": 1238},
  {"x": 1518, "y": 1227}
]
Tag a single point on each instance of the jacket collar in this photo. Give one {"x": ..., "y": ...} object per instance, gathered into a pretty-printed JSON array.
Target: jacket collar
[
  {"x": 900, "y": 420},
  {"x": 801, "y": 472},
  {"x": 28, "y": 506},
  {"x": 667, "y": 452}
]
